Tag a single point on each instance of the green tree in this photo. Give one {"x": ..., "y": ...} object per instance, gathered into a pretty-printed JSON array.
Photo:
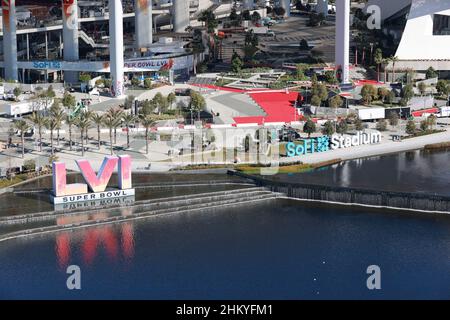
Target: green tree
[
  {"x": 70, "y": 121},
  {"x": 359, "y": 125},
  {"x": 135, "y": 82},
  {"x": 422, "y": 86},
  {"x": 17, "y": 92},
  {"x": 424, "y": 125},
  {"x": 328, "y": 128},
  {"x": 116, "y": 115},
  {"x": 300, "y": 71},
  {"x": 411, "y": 127},
  {"x": 330, "y": 77},
  {"x": 29, "y": 165},
  {"x": 147, "y": 122},
  {"x": 164, "y": 105},
  {"x": 47, "y": 96},
  {"x": 83, "y": 123},
  {"x": 255, "y": 17},
  {"x": 316, "y": 19},
  {"x": 129, "y": 102},
  {"x": 128, "y": 120},
  {"x": 233, "y": 15},
  {"x": 148, "y": 83},
  {"x": 107, "y": 83},
  {"x": 336, "y": 102},
  {"x": 382, "y": 125},
  {"x": 390, "y": 97},
  {"x": 57, "y": 113},
  {"x": 378, "y": 58},
  {"x": 209, "y": 18},
  {"x": 246, "y": 15},
  {"x": 394, "y": 60},
  {"x": 383, "y": 93},
  {"x": 39, "y": 122},
  {"x": 85, "y": 77},
  {"x": 431, "y": 73},
  {"x": 198, "y": 103},
  {"x": 171, "y": 99},
  {"x": 442, "y": 87},
  {"x": 342, "y": 127},
  {"x": 22, "y": 126},
  {"x": 323, "y": 92},
  {"x": 316, "y": 101},
  {"x": 51, "y": 125},
  {"x": 432, "y": 120},
  {"x": 236, "y": 64},
  {"x": 309, "y": 127},
  {"x": 279, "y": 11},
  {"x": 98, "y": 120},
  {"x": 147, "y": 107},
  {"x": 393, "y": 119},
  {"x": 368, "y": 93},
  {"x": 407, "y": 93},
  {"x": 304, "y": 45},
  {"x": 68, "y": 101},
  {"x": 111, "y": 123}
]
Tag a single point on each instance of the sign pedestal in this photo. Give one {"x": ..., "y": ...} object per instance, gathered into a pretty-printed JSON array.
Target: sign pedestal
[{"x": 93, "y": 196}]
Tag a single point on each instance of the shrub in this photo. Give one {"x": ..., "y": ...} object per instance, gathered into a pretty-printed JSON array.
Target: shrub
[{"x": 29, "y": 165}]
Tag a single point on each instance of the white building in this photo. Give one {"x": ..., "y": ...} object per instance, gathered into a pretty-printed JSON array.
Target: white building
[{"x": 424, "y": 41}]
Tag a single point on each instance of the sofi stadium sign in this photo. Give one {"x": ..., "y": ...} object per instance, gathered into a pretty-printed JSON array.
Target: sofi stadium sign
[
  {"x": 327, "y": 143},
  {"x": 95, "y": 186}
]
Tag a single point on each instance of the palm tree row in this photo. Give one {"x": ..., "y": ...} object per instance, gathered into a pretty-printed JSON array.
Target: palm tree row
[{"x": 113, "y": 119}]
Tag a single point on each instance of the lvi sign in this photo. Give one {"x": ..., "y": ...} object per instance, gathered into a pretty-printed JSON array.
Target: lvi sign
[{"x": 96, "y": 183}]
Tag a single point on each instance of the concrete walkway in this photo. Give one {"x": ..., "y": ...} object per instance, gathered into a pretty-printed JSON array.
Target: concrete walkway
[{"x": 385, "y": 147}]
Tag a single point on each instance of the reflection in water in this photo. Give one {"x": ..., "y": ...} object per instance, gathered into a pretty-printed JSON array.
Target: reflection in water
[
  {"x": 269, "y": 250},
  {"x": 118, "y": 245},
  {"x": 94, "y": 239}
]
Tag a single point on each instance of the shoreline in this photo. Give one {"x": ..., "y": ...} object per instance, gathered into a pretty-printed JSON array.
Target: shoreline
[{"x": 384, "y": 148}]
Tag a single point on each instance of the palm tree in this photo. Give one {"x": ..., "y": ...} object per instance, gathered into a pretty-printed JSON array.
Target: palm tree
[
  {"x": 128, "y": 120},
  {"x": 385, "y": 63},
  {"x": 97, "y": 119},
  {"x": 69, "y": 101},
  {"x": 116, "y": 115},
  {"x": 23, "y": 127},
  {"x": 71, "y": 121},
  {"x": 51, "y": 125},
  {"x": 198, "y": 103},
  {"x": 394, "y": 60},
  {"x": 88, "y": 115},
  {"x": 147, "y": 122},
  {"x": 171, "y": 99},
  {"x": 39, "y": 122},
  {"x": 111, "y": 123},
  {"x": 378, "y": 60},
  {"x": 57, "y": 113},
  {"x": 83, "y": 124}
]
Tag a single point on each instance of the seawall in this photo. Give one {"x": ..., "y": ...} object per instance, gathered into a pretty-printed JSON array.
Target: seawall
[{"x": 355, "y": 196}]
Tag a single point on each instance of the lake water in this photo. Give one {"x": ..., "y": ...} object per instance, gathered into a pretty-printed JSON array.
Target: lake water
[{"x": 278, "y": 249}]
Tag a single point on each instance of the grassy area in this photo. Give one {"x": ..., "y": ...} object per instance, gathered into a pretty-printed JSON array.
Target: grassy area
[
  {"x": 438, "y": 146},
  {"x": 223, "y": 82},
  {"x": 424, "y": 133},
  {"x": 288, "y": 168},
  {"x": 5, "y": 183}
]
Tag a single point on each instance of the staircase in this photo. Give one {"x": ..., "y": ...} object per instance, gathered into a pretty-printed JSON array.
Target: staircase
[
  {"x": 16, "y": 227},
  {"x": 201, "y": 81},
  {"x": 89, "y": 41}
]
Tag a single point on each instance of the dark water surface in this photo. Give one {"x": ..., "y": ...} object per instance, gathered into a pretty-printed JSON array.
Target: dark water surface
[
  {"x": 415, "y": 171},
  {"x": 278, "y": 249}
]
